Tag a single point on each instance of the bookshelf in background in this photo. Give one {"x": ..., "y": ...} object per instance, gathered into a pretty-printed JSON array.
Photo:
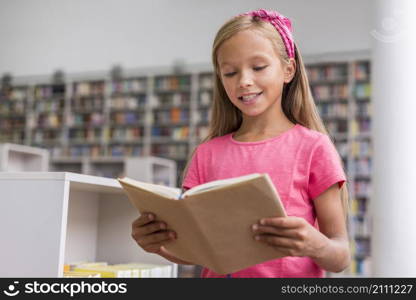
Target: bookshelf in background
[
  {"x": 91, "y": 125},
  {"x": 125, "y": 133},
  {"x": 46, "y": 117},
  {"x": 361, "y": 152},
  {"x": 170, "y": 131},
  {"x": 14, "y": 101},
  {"x": 342, "y": 95},
  {"x": 86, "y": 119}
]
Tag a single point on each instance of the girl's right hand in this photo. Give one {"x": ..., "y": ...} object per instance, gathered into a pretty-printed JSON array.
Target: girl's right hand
[{"x": 151, "y": 235}]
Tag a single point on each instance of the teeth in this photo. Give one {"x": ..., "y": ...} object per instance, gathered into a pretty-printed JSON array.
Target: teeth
[{"x": 249, "y": 97}]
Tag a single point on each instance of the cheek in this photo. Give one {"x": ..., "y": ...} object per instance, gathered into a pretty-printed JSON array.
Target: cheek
[{"x": 229, "y": 88}]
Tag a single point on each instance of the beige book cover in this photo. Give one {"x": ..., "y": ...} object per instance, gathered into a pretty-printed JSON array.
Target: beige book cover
[{"x": 213, "y": 220}]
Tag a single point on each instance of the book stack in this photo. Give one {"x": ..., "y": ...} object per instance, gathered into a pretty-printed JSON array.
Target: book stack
[{"x": 128, "y": 270}]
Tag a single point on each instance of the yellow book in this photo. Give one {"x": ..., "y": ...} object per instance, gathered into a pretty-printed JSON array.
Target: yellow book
[
  {"x": 73, "y": 274},
  {"x": 105, "y": 272}
]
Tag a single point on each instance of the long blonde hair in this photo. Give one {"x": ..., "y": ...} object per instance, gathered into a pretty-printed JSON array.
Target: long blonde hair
[{"x": 297, "y": 101}]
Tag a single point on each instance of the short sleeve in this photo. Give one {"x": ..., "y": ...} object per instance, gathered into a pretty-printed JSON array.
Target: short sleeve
[
  {"x": 325, "y": 167},
  {"x": 192, "y": 177}
]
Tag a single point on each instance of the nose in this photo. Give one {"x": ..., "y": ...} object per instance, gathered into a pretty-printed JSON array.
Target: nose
[{"x": 245, "y": 80}]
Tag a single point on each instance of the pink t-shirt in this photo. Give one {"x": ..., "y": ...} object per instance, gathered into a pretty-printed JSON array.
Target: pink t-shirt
[{"x": 302, "y": 163}]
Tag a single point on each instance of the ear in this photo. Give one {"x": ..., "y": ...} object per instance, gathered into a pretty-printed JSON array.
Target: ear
[{"x": 289, "y": 70}]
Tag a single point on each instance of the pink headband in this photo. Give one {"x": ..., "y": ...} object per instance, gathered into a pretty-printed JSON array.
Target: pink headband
[{"x": 281, "y": 23}]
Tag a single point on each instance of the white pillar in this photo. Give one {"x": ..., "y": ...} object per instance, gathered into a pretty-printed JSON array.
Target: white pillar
[{"x": 393, "y": 205}]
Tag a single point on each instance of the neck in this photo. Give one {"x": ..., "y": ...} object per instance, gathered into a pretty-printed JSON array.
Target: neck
[{"x": 267, "y": 123}]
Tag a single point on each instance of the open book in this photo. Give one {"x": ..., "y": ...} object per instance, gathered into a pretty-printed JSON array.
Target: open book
[{"x": 213, "y": 220}]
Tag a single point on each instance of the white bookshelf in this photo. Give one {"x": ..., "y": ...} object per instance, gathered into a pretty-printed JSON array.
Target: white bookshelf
[
  {"x": 49, "y": 219},
  {"x": 14, "y": 157},
  {"x": 150, "y": 169}
]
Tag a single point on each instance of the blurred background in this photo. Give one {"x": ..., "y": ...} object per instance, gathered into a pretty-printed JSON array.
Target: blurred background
[{"x": 99, "y": 83}]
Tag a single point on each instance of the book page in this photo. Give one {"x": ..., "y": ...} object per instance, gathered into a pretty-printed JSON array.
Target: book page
[
  {"x": 219, "y": 183},
  {"x": 161, "y": 190}
]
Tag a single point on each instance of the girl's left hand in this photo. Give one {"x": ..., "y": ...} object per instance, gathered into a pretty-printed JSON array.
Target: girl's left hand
[{"x": 292, "y": 236}]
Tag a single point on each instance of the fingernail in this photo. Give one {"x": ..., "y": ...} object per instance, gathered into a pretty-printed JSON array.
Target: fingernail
[
  {"x": 262, "y": 221},
  {"x": 163, "y": 226},
  {"x": 256, "y": 237},
  {"x": 255, "y": 226},
  {"x": 150, "y": 216},
  {"x": 172, "y": 235}
]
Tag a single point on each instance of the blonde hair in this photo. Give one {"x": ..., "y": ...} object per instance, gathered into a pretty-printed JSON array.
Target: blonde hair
[{"x": 297, "y": 101}]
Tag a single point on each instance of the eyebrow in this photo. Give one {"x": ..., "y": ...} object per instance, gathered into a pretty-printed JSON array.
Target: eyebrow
[{"x": 256, "y": 56}]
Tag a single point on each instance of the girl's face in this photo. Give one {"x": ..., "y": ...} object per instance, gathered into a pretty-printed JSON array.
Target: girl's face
[{"x": 252, "y": 73}]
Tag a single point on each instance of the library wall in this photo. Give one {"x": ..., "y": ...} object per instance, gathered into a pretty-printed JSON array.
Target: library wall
[{"x": 79, "y": 36}]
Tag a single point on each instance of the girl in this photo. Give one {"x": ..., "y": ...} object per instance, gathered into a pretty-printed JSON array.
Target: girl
[{"x": 264, "y": 121}]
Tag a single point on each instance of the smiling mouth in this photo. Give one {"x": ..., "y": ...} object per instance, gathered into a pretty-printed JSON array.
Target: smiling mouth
[{"x": 249, "y": 97}]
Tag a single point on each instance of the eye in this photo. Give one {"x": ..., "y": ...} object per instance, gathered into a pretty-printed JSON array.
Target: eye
[
  {"x": 259, "y": 68},
  {"x": 230, "y": 74}
]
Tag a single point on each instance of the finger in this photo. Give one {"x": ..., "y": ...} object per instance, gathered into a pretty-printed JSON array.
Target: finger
[
  {"x": 148, "y": 228},
  {"x": 157, "y": 238},
  {"x": 276, "y": 241},
  {"x": 260, "y": 229},
  {"x": 156, "y": 247},
  {"x": 283, "y": 222},
  {"x": 144, "y": 219}
]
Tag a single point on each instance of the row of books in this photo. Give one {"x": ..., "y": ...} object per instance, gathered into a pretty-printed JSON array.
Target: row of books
[
  {"x": 79, "y": 151},
  {"x": 331, "y": 110},
  {"x": 206, "y": 81},
  {"x": 87, "y": 103},
  {"x": 360, "y": 126},
  {"x": 205, "y": 98},
  {"x": 128, "y": 270},
  {"x": 363, "y": 166},
  {"x": 85, "y": 134},
  {"x": 203, "y": 115},
  {"x": 12, "y": 136},
  {"x": 125, "y": 134},
  {"x": 364, "y": 109},
  {"x": 342, "y": 148},
  {"x": 125, "y": 150},
  {"x": 46, "y": 106},
  {"x": 336, "y": 127},
  {"x": 362, "y": 71},
  {"x": 172, "y": 99},
  {"x": 172, "y": 83},
  {"x": 175, "y": 133},
  {"x": 134, "y": 85},
  {"x": 361, "y": 267},
  {"x": 86, "y": 119},
  {"x": 174, "y": 115},
  {"x": 92, "y": 88},
  {"x": 330, "y": 92},
  {"x": 128, "y": 102},
  {"x": 361, "y": 227},
  {"x": 362, "y": 188},
  {"x": 126, "y": 118},
  {"x": 361, "y": 148},
  {"x": 13, "y": 94},
  {"x": 49, "y": 91},
  {"x": 15, "y": 107},
  {"x": 47, "y": 120},
  {"x": 41, "y": 136},
  {"x": 358, "y": 206},
  {"x": 362, "y": 90},
  {"x": 170, "y": 151},
  {"x": 336, "y": 72}
]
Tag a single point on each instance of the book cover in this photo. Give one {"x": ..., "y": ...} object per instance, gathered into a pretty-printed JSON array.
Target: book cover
[{"x": 213, "y": 220}]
